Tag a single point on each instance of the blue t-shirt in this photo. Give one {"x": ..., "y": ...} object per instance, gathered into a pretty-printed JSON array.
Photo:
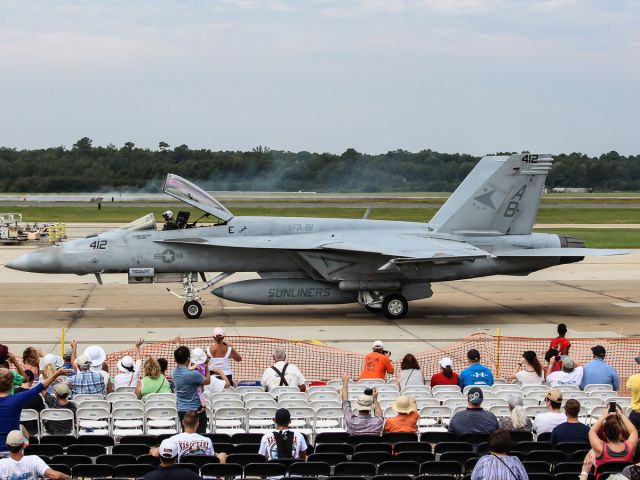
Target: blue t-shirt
[
  {"x": 570, "y": 432},
  {"x": 187, "y": 382},
  {"x": 475, "y": 374},
  {"x": 10, "y": 410},
  {"x": 600, "y": 372}
]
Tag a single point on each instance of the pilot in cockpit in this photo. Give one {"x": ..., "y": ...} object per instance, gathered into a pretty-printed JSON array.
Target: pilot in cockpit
[{"x": 169, "y": 222}]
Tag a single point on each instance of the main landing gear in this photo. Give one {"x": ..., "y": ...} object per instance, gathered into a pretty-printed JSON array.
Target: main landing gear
[
  {"x": 393, "y": 306},
  {"x": 193, "y": 302}
]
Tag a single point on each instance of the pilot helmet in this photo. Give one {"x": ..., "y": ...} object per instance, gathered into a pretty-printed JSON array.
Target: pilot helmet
[{"x": 168, "y": 215}]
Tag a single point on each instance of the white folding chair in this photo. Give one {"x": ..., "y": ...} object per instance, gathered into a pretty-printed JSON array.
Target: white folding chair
[
  {"x": 112, "y": 397},
  {"x": 260, "y": 420},
  {"x": 257, "y": 396},
  {"x": 278, "y": 390},
  {"x": 589, "y": 402},
  {"x": 127, "y": 421},
  {"x": 534, "y": 390},
  {"x": 602, "y": 394},
  {"x": 434, "y": 419},
  {"x": 322, "y": 388},
  {"x": 372, "y": 382},
  {"x": 261, "y": 403},
  {"x": 598, "y": 387},
  {"x": 293, "y": 404},
  {"x": 302, "y": 420},
  {"x": 533, "y": 411},
  {"x": 596, "y": 413},
  {"x": 128, "y": 404},
  {"x": 568, "y": 388},
  {"x": 337, "y": 383},
  {"x": 427, "y": 402},
  {"x": 160, "y": 403},
  {"x": 389, "y": 387},
  {"x": 29, "y": 415},
  {"x": 230, "y": 420},
  {"x": 161, "y": 396},
  {"x": 446, "y": 395},
  {"x": 248, "y": 388},
  {"x": 455, "y": 402},
  {"x": 388, "y": 395},
  {"x": 329, "y": 419},
  {"x": 484, "y": 388},
  {"x": 81, "y": 397},
  {"x": 445, "y": 388},
  {"x": 457, "y": 409},
  {"x": 93, "y": 404},
  {"x": 389, "y": 412},
  {"x": 125, "y": 389},
  {"x": 622, "y": 401},
  {"x": 531, "y": 402},
  {"x": 161, "y": 421},
  {"x": 56, "y": 415},
  {"x": 500, "y": 410},
  {"x": 500, "y": 381},
  {"x": 292, "y": 396},
  {"x": 318, "y": 404},
  {"x": 322, "y": 395},
  {"x": 494, "y": 402},
  {"x": 93, "y": 421},
  {"x": 411, "y": 390},
  {"x": 229, "y": 403}
]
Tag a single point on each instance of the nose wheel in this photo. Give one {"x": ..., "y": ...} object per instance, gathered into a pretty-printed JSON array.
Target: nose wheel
[{"x": 192, "y": 309}]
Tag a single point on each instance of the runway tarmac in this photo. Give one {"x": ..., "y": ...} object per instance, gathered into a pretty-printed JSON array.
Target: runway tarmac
[{"x": 597, "y": 297}]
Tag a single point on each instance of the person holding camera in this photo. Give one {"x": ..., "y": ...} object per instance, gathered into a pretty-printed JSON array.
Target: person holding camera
[
  {"x": 363, "y": 423},
  {"x": 571, "y": 374},
  {"x": 614, "y": 448},
  {"x": 377, "y": 363}
]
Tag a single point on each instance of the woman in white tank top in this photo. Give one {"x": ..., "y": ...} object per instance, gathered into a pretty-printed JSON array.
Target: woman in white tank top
[{"x": 221, "y": 355}]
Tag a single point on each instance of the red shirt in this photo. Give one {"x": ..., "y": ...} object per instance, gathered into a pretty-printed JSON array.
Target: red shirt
[
  {"x": 442, "y": 379},
  {"x": 561, "y": 344}
]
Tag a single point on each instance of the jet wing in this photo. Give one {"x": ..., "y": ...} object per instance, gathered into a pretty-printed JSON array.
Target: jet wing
[
  {"x": 187, "y": 192},
  {"x": 561, "y": 252}
]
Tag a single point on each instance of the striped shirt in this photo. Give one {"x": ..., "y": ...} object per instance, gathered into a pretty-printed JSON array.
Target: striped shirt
[
  {"x": 491, "y": 467},
  {"x": 361, "y": 424}
]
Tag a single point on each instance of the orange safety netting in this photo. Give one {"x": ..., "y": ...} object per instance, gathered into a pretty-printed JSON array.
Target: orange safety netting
[{"x": 322, "y": 363}]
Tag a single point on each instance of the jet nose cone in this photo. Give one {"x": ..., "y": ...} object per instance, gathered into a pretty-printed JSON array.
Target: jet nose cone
[{"x": 46, "y": 260}]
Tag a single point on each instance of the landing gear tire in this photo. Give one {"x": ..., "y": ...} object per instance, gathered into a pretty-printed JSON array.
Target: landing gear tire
[
  {"x": 394, "y": 306},
  {"x": 373, "y": 309},
  {"x": 192, "y": 309}
]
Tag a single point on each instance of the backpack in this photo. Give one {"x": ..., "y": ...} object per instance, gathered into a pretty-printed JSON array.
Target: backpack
[{"x": 284, "y": 443}]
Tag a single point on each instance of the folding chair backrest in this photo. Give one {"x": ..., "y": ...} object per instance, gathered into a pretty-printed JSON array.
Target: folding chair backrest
[
  {"x": 317, "y": 404},
  {"x": 260, "y": 403},
  {"x": 598, "y": 387},
  {"x": 227, "y": 403},
  {"x": 29, "y": 415},
  {"x": 445, "y": 388},
  {"x": 232, "y": 414},
  {"x": 388, "y": 395},
  {"x": 447, "y": 395},
  {"x": 125, "y": 389},
  {"x": 533, "y": 411},
  {"x": 322, "y": 388},
  {"x": 372, "y": 382},
  {"x": 92, "y": 413},
  {"x": 435, "y": 412},
  {"x": 57, "y": 414},
  {"x": 455, "y": 402},
  {"x": 87, "y": 396},
  {"x": 494, "y": 402},
  {"x": 112, "y": 397},
  {"x": 500, "y": 410},
  {"x": 278, "y": 390},
  {"x": 93, "y": 404},
  {"x": 484, "y": 388},
  {"x": 159, "y": 403},
  {"x": 161, "y": 396},
  {"x": 427, "y": 402},
  {"x": 161, "y": 413},
  {"x": 389, "y": 387},
  {"x": 294, "y": 404},
  {"x": 128, "y": 414},
  {"x": 293, "y": 396},
  {"x": 323, "y": 395},
  {"x": 128, "y": 404},
  {"x": 255, "y": 396},
  {"x": 248, "y": 388}
]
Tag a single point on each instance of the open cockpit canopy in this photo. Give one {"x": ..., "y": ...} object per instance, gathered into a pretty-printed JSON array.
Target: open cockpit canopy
[
  {"x": 187, "y": 192},
  {"x": 148, "y": 222}
]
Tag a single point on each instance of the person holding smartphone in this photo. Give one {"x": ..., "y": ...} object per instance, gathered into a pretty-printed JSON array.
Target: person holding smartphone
[{"x": 615, "y": 425}]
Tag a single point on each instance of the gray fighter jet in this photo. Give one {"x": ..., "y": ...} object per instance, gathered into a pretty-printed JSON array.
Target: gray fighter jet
[{"x": 484, "y": 228}]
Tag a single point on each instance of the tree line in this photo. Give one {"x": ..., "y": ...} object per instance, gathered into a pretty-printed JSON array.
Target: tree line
[{"x": 88, "y": 168}]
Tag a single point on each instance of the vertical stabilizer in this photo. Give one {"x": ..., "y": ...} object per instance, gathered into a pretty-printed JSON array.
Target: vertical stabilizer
[{"x": 500, "y": 196}]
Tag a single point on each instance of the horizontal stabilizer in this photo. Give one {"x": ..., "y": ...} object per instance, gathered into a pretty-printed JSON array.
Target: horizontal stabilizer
[{"x": 562, "y": 252}]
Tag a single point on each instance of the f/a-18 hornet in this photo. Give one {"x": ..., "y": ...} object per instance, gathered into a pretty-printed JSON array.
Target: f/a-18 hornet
[{"x": 484, "y": 228}]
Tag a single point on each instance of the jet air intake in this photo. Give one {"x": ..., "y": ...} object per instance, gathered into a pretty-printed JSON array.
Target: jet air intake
[{"x": 285, "y": 291}]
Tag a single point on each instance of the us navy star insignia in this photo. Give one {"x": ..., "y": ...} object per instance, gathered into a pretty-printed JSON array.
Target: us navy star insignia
[{"x": 485, "y": 198}]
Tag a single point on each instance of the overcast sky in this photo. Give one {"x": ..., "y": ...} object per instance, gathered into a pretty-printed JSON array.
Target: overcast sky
[{"x": 473, "y": 76}]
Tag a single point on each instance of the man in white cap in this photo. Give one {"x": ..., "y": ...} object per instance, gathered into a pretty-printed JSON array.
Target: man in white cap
[
  {"x": 129, "y": 369},
  {"x": 221, "y": 354},
  {"x": 364, "y": 423},
  {"x": 21, "y": 467},
  {"x": 407, "y": 416},
  {"x": 282, "y": 373},
  {"x": 377, "y": 363},
  {"x": 169, "y": 469},
  {"x": 571, "y": 374},
  {"x": 96, "y": 356},
  {"x": 86, "y": 380}
]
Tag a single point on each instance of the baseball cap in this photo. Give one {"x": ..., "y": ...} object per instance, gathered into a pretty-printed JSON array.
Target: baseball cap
[
  {"x": 598, "y": 351},
  {"x": 16, "y": 439},
  {"x": 568, "y": 363},
  {"x": 473, "y": 354},
  {"x": 475, "y": 395},
  {"x": 446, "y": 362},
  {"x": 198, "y": 357},
  {"x": 67, "y": 355},
  {"x": 83, "y": 361},
  {"x": 555, "y": 395},
  {"x": 168, "y": 449},
  {"x": 218, "y": 332},
  {"x": 282, "y": 416},
  {"x": 378, "y": 344},
  {"x": 62, "y": 389},
  {"x": 364, "y": 402}
]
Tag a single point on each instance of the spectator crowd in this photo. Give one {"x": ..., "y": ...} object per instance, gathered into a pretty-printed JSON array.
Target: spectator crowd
[{"x": 38, "y": 382}]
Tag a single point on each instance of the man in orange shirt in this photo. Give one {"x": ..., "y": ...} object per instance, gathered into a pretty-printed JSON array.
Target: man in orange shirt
[
  {"x": 377, "y": 363},
  {"x": 407, "y": 418}
]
